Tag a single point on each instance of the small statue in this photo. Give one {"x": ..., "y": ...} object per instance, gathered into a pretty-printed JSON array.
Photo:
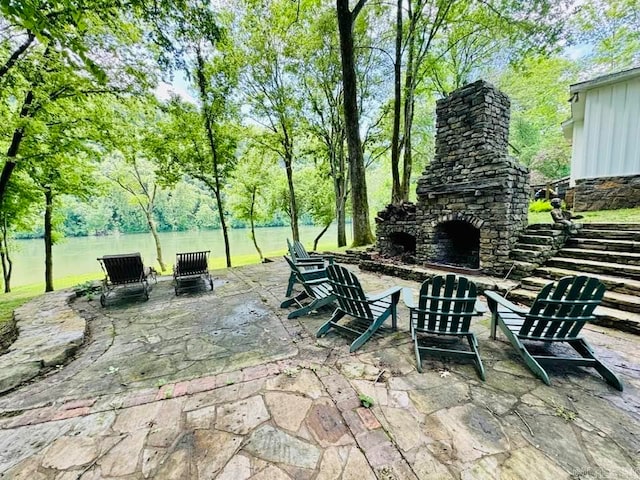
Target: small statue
[{"x": 564, "y": 217}]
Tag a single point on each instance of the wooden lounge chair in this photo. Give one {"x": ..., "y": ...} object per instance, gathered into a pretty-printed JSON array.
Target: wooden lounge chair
[
  {"x": 124, "y": 270},
  {"x": 445, "y": 307},
  {"x": 316, "y": 287},
  {"x": 369, "y": 311},
  {"x": 306, "y": 264},
  {"x": 557, "y": 315},
  {"x": 191, "y": 266}
]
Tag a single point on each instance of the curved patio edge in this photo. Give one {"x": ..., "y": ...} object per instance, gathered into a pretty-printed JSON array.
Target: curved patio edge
[{"x": 49, "y": 332}]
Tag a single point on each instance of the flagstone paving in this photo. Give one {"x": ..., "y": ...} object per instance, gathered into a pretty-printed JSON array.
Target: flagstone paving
[{"x": 221, "y": 385}]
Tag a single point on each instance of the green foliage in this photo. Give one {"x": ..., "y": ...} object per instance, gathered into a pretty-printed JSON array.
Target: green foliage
[
  {"x": 540, "y": 206},
  {"x": 365, "y": 400}
]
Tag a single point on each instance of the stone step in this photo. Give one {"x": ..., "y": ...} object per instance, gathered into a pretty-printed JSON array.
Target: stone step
[
  {"x": 627, "y": 258},
  {"x": 604, "y": 244},
  {"x": 531, "y": 246},
  {"x": 606, "y": 316},
  {"x": 613, "y": 226},
  {"x": 535, "y": 239},
  {"x": 613, "y": 283},
  {"x": 592, "y": 266},
  {"x": 587, "y": 232},
  {"x": 620, "y": 301},
  {"x": 531, "y": 256}
]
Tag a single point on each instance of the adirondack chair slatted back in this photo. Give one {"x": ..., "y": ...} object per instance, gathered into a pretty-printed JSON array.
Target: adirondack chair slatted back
[
  {"x": 122, "y": 269},
  {"x": 192, "y": 263},
  {"x": 446, "y": 304},
  {"x": 348, "y": 291},
  {"x": 561, "y": 312}
]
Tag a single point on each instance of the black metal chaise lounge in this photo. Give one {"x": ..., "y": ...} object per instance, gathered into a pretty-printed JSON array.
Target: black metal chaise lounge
[
  {"x": 124, "y": 270},
  {"x": 191, "y": 266}
]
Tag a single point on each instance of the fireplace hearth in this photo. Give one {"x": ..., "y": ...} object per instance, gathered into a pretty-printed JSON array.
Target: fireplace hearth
[{"x": 472, "y": 197}]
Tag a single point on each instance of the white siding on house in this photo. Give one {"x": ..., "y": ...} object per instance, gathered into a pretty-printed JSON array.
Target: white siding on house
[{"x": 607, "y": 142}]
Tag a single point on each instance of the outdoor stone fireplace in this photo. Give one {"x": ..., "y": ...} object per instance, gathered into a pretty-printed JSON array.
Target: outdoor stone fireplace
[{"x": 472, "y": 197}]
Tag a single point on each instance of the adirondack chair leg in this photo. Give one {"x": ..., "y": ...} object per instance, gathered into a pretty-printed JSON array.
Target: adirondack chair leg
[
  {"x": 531, "y": 362},
  {"x": 366, "y": 335},
  {"x": 145, "y": 287},
  {"x": 315, "y": 305},
  {"x": 473, "y": 343},
  {"x": 103, "y": 300},
  {"x": 493, "y": 308},
  {"x": 417, "y": 351},
  {"x": 337, "y": 315},
  {"x": 290, "y": 301},
  {"x": 584, "y": 349},
  {"x": 292, "y": 281}
]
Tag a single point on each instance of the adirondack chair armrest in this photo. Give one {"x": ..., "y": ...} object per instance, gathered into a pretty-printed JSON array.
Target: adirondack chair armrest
[
  {"x": 407, "y": 298},
  {"x": 495, "y": 299},
  {"x": 309, "y": 262},
  {"x": 480, "y": 307},
  {"x": 327, "y": 258},
  {"x": 317, "y": 281},
  {"x": 386, "y": 293},
  {"x": 318, "y": 274}
]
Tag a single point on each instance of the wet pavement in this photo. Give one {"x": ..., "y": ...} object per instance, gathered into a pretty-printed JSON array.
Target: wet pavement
[{"x": 221, "y": 385}]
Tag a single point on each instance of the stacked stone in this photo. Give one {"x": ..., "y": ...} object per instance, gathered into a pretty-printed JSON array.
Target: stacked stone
[
  {"x": 607, "y": 193},
  {"x": 472, "y": 179},
  {"x": 393, "y": 221}
]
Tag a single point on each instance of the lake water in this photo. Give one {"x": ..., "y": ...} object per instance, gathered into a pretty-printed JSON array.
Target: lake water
[{"x": 77, "y": 255}]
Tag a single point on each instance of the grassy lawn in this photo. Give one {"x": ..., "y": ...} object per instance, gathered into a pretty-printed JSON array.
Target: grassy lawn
[{"x": 625, "y": 215}]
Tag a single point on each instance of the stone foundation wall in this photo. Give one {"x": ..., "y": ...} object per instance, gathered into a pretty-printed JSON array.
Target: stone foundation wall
[{"x": 607, "y": 193}]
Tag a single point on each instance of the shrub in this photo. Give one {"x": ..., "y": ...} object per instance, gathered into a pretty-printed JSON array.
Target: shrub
[{"x": 540, "y": 206}]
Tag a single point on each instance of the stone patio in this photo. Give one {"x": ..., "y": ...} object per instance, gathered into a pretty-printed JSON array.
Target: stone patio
[{"x": 221, "y": 385}]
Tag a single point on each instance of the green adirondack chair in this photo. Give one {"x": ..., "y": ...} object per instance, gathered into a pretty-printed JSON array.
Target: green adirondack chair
[
  {"x": 370, "y": 312},
  {"x": 307, "y": 267},
  {"x": 557, "y": 315},
  {"x": 445, "y": 307},
  {"x": 299, "y": 254},
  {"x": 316, "y": 287}
]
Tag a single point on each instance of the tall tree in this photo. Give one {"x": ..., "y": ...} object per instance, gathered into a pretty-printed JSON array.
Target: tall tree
[
  {"x": 360, "y": 207},
  {"x": 272, "y": 77}
]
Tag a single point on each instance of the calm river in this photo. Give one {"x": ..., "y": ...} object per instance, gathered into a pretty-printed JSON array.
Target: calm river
[{"x": 76, "y": 256}]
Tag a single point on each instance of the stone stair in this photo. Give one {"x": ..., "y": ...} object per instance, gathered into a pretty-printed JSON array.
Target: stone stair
[
  {"x": 609, "y": 252},
  {"x": 535, "y": 246}
]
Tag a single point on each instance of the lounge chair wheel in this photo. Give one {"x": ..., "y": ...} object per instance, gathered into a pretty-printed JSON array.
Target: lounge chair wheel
[{"x": 103, "y": 300}]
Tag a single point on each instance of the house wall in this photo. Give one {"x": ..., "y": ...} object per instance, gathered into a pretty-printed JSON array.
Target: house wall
[{"x": 606, "y": 143}]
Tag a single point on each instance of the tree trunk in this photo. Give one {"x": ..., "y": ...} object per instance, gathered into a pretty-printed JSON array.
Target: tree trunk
[
  {"x": 409, "y": 91},
  {"x": 253, "y": 230},
  {"x": 12, "y": 151},
  {"x": 396, "y": 189},
  {"x": 293, "y": 206},
  {"x": 317, "y": 239},
  {"x": 11, "y": 61},
  {"x": 202, "y": 86},
  {"x": 48, "y": 240},
  {"x": 7, "y": 264},
  {"x": 156, "y": 238},
  {"x": 361, "y": 228}
]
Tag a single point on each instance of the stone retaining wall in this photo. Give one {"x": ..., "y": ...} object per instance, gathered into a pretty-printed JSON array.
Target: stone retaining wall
[{"x": 607, "y": 193}]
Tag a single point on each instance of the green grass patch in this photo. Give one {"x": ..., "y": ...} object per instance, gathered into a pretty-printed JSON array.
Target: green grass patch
[{"x": 625, "y": 215}]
